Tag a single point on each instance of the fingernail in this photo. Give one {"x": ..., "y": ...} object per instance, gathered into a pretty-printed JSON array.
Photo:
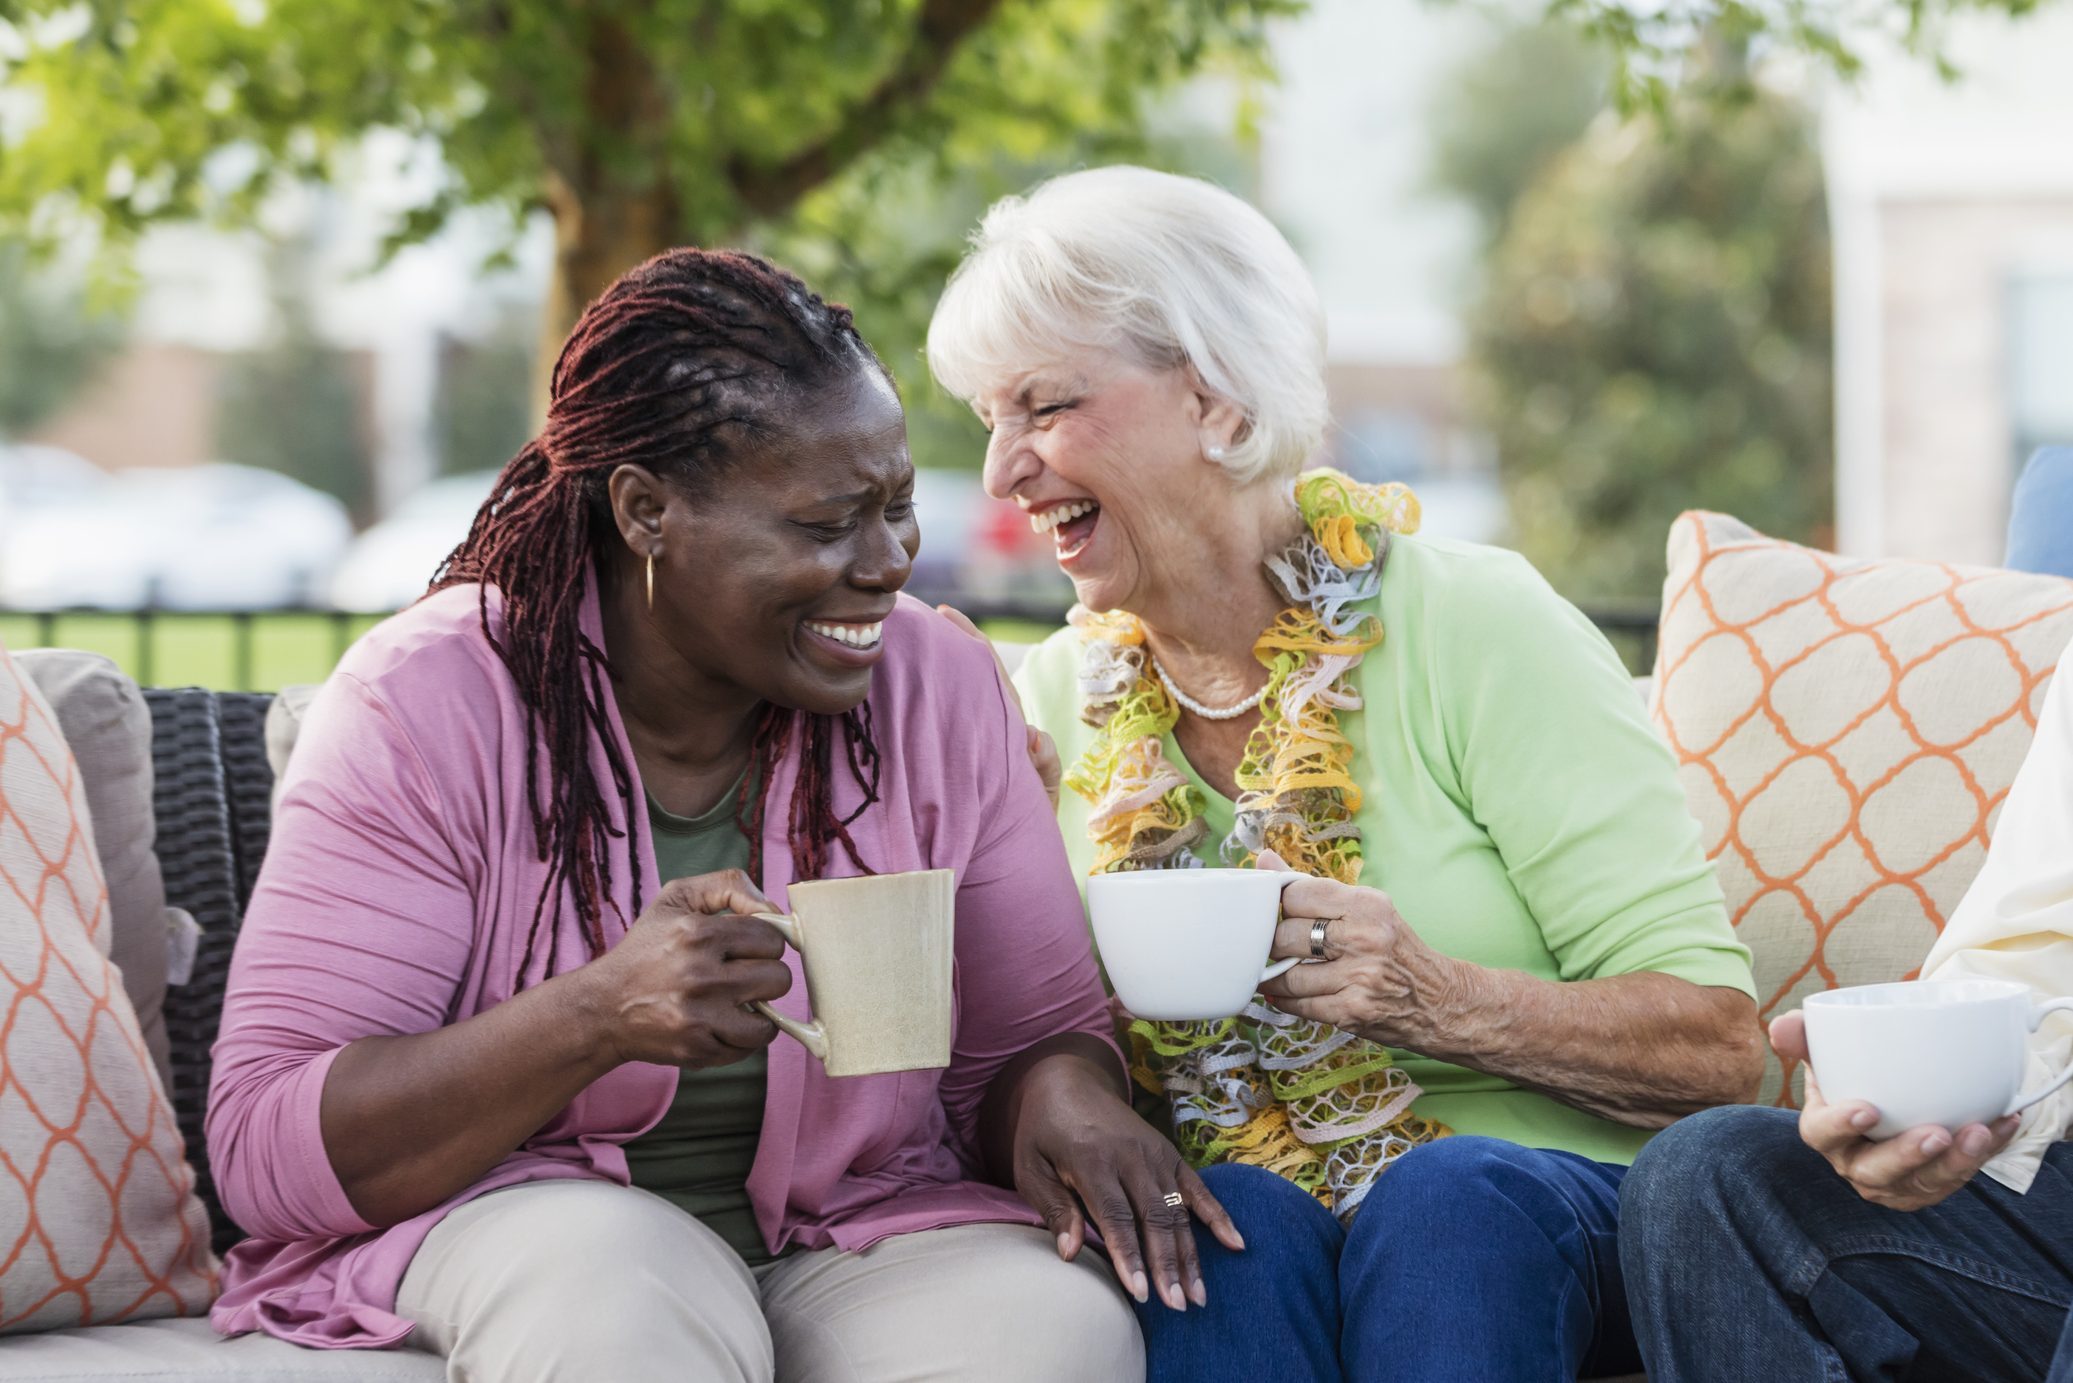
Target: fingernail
[
  {"x": 1935, "y": 1141},
  {"x": 1864, "y": 1119},
  {"x": 1974, "y": 1140},
  {"x": 1198, "y": 1293},
  {"x": 1239, "y": 1236},
  {"x": 1171, "y": 1294},
  {"x": 1065, "y": 1246},
  {"x": 1138, "y": 1288}
]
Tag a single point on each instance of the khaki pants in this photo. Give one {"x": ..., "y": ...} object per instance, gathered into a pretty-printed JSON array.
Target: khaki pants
[{"x": 575, "y": 1281}]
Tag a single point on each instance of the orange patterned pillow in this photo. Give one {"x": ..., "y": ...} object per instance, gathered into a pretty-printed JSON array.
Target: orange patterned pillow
[
  {"x": 98, "y": 1218},
  {"x": 1845, "y": 731}
]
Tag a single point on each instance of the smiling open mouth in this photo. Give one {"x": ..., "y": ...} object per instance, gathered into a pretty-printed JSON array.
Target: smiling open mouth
[
  {"x": 1070, "y": 525},
  {"x": 849, "y": 635}
]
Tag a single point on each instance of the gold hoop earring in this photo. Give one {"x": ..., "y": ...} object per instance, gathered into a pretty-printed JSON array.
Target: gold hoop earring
[{"x": 651, "y": 581}]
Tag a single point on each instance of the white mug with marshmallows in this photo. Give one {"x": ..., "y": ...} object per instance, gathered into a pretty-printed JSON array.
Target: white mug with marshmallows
[
  {"x": 1187, "y": 944},
  {"x": 1941, "y": 1052}
]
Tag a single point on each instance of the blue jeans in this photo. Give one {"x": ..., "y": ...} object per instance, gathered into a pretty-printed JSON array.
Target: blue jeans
[
  {"x": 1472, "y": 1259},
  {"x": 1749, "y": 1258}
]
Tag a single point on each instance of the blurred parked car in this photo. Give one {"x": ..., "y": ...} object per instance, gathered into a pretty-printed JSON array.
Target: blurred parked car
[
  {"x": 239, "y": 538},
  {"x": 36, "y": 477},
  {"x": 390, "y": 564},
  {"x": 216, "y": 536},
  {"x": 974, "y": 546},
  {"x": 970, "y": 545},
  {"x": 51, "y": 503}
]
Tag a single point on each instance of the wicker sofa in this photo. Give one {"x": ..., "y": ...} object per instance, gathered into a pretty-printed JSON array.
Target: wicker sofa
[{"x": 211, "y": 803}]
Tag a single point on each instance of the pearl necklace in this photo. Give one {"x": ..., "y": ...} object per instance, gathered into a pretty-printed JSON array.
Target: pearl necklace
[{"x": 1189, "y": 703}]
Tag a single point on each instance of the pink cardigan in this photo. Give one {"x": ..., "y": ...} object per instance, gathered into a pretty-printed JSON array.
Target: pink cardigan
[{"x": 395, "y": 897}]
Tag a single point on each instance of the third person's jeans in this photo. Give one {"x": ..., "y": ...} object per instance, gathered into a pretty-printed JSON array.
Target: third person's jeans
[{"x": 1748, "y": 1258}]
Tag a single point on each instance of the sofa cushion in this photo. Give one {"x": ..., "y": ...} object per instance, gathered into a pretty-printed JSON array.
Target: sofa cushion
[
  {"x": 283, "y": 727},
  {"x": 101, "y": 714},
  {"x": 98, "y": 1218},
  {"x": 1846, "y": 730},
  {"x": 190, "y": 1351}
]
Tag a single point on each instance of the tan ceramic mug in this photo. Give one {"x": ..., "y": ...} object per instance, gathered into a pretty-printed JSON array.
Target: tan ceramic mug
[{"x": 877, "y": 953}]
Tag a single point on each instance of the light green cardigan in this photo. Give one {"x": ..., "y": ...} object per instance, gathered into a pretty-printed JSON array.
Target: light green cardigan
[{"x": 1518, "y": 809}]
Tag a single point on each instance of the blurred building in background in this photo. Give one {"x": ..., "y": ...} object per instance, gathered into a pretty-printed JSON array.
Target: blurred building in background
[{"x": 1952, "y": 205}]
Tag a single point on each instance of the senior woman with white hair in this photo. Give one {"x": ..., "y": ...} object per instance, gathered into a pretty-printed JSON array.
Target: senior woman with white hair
[{"x": 1550, "y": 974}]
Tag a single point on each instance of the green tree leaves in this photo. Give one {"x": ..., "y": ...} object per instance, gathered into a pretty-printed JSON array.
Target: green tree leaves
[
  {"x": 1653, "y": 335},
  {"x": 52, "y": 341}
]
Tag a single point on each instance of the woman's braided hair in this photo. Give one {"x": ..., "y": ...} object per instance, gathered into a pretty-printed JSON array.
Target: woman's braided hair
[{"x": 673, "y": 368}]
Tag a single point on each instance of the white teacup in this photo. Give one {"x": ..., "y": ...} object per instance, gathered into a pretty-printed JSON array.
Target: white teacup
[
  {"x": 1942, "y": 1052},
  {"x": 878, "y": 953},
  {"x": 1187, "y": 944}
]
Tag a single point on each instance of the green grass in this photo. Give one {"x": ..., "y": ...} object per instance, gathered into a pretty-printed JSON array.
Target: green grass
[
  {"x": 202, "y": 651},
  {"x": 199, "y": 650}
]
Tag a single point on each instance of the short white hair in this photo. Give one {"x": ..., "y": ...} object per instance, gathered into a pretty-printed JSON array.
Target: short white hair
[{"x": 1164, "y": 270}]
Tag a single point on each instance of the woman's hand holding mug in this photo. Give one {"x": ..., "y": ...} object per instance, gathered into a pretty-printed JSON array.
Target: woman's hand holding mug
[
  {"x": 1375, "y": 976},
  {"x": 674, "y": 990},
  {"x": 1910, "y": 1171}
]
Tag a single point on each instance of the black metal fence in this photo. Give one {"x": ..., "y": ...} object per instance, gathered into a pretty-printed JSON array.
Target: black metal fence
[
  {"x": 145, "y": 630},
  {"x": 261, "y": 650}
]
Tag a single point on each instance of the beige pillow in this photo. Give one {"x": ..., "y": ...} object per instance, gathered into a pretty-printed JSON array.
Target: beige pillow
[
  {"x": 284, "y": 719},
  {"x": 98, "y": 1218},
  {"x": 1846, "y": 730},
  {"x": 102, "y": 715}
]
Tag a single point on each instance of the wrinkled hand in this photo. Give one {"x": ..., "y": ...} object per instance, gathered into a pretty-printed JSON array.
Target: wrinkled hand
[
  {"x": 1080, "y": 1153},
  {"x": 1043, "y": 750},
  {"x": 1910, "y": 1171},
  {"x": 673, "y": 990},
  {"x": 1377, "y": 973}
]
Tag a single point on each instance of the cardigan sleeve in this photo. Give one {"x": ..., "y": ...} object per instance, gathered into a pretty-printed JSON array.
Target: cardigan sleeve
[
  {"x": 1025, "y": 964},
  {"x": 1559, "y": 765},
  {"x": 362, "y": 924}
]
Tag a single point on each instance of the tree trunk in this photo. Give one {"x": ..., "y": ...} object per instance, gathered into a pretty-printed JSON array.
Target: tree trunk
[
  {"x": 598, "y": 235},
  {"x": 609, "y": 188},
  {"x": 606, "y": 221}
]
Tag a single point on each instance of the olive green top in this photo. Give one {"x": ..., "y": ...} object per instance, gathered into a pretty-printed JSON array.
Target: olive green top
[
  {"x": 698, "y": 1157},
  {"x": 1516, "y": 805}
]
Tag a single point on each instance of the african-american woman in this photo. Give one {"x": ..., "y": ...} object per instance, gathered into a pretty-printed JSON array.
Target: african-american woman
[{"x": 487, "y": 1084}]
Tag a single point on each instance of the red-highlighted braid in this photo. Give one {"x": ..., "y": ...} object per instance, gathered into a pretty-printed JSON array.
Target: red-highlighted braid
[{"x": 672, "y": 368}]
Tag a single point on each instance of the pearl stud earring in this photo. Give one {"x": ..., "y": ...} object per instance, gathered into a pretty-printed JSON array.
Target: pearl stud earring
[{"x": 1214, "y": 452}]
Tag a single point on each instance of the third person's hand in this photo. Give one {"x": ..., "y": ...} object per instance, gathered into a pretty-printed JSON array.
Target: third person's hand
[{"x": 1909, "y": 1171}]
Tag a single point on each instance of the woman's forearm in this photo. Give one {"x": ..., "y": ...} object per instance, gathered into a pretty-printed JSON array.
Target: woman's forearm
[
  {"x": 1072, "y": 1057},
  {"x": 1643, "y": 1049},
  {"x": 410, "y": 1121}
]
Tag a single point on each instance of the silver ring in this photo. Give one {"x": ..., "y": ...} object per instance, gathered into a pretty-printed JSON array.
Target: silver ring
[
  {"x": 1174, "y": 1198},
  {"x": 1317, "y": 938}
]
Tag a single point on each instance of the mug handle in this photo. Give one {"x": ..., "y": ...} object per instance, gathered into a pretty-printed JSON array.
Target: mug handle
[
  {"x": 2038, "y": 1015},
  {"x": 811, "y": 1035},
  {"x": 1276, "y": 969}
]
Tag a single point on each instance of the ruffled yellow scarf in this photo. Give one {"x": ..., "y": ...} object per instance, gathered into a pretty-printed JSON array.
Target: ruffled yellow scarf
[{"x": 1315, "y": 1104}]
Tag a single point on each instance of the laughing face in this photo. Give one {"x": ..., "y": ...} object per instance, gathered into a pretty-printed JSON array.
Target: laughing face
[
  {"x": 777, "y": 578},
  {"x": 1103, "y": 456}
]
